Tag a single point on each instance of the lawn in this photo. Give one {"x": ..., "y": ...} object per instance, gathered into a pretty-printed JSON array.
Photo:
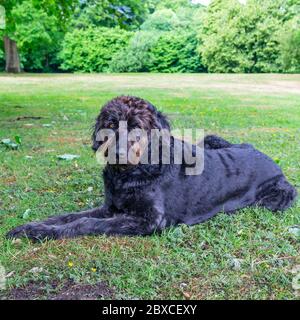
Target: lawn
[{"x": 251, "y": 255}]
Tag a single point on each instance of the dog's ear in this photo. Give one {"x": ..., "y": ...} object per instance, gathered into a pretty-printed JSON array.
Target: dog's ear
[
  {"x": 96, "y": 144},
  {"x": 162, "y": 121}
]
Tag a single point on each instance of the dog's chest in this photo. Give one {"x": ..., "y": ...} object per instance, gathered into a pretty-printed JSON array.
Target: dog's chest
[{"x": 132, "y": 200}]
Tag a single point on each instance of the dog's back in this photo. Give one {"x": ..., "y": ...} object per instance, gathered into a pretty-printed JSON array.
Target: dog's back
[{"x": 233, "y": 178}]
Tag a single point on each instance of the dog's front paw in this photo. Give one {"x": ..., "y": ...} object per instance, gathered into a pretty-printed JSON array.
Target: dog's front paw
[
  {"x": 34, "y": 231},
  {"x": 18, "y": 232}
]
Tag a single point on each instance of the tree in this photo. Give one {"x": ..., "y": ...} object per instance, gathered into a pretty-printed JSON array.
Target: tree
[
  {"x": 289, "y": 39},
  {"x": 169, "y": 4},
  {"x": 218, "y": 33},
  {"x": 167, "y": 42},
  {"x": 176, "y": 51},
  {"x": 39, "y": 37},
  {"x": 161, "y": 20},
  {"x": 126, "y": 14},
  {"x": 244, "y": 38},
  {"x": 59, "y": 8},
  {"x": 136, "y": 56}
]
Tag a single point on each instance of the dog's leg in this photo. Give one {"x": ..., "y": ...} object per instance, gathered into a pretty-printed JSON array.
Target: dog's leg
[
  {"x": 120, "y": 224},
  {"x": 101, "y": 212}
]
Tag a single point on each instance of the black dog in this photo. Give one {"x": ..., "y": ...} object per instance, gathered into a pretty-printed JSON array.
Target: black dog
[{"x": 141, "y": 199}]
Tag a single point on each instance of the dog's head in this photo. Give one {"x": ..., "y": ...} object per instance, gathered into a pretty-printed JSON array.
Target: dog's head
[{"x": 135, "y": 113}]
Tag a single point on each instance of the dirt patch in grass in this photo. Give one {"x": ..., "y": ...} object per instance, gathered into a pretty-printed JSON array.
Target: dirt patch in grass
[
  {"x": 8, "y": 180},
  {"x": 27, "y": 118},
  {"x": 53, "y": 291},
  {"x": 234, "y": 84},
  {"x": 269, "y": 87},
  {"x": 63, "y": 140}
]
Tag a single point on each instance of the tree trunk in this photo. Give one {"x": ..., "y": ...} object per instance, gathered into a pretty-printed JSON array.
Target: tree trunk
[{"x": 12, "y": 60}]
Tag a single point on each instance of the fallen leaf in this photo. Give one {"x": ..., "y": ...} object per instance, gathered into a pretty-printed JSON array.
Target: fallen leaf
[
  {"x": 10, "y": 274},
  {"x": 26, "y": 214},
  {"x": 68, "y": 157},
  {"x": 187, "y": 295},
  {"x": 235, "y": 263},
  {"x": 18, "y": 139},
  {"x": 16, "y": 241},
  {"x": 295, "y": 230},
  {"x": 5, "y": 141},
  {"x": 9, "y": 144},
  {"x": 36, "y": 270}
]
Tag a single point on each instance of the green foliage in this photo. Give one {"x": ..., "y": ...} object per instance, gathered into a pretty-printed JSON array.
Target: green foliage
[
  {"x": 36, "y": 26},
  {"x": 159, "y": 52},
  {"x": 260, "y": 36},
  {"x": 243, "y": 38},
  {"x": 12, "y": 145},
  {"x": 190, "y": 18},
  {"x": 164, "y": 44},
  {"x": 136, "y": 56},
  {"x": 167, "y": 42},
  {"x": 38, "y": 36},
  {"x": 61, "y": 9},
  {"x": 170, "y": 4},
  {"x": 187, "y": 18},
  {"x": 175, "y": 52},
  {"x": 290, "y": 46},
  {"x": 161, "y": 20},
  {"x": 2, "y": 17},
  {"x": 127, "y": 14},
  {"x": 91, "y": 50}
]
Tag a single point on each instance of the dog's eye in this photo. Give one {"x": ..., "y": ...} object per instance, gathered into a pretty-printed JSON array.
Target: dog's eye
[{"x": 111, "y": 125}]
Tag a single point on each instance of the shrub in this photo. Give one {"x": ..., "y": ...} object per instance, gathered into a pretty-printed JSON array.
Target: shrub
[
  {"x": 175, "y": 52},
  {"x": 243, "y": 38},
  {"x": 164, "y": 44},
  {"x": 91, "y": 50},
  {"x": 136, "y": 57},
  {"x": 159, "y": 52},
  {"x": 290, "y": 46},
  {"x": 222, "y": 38},
  {"x": 161, "y": 20}
]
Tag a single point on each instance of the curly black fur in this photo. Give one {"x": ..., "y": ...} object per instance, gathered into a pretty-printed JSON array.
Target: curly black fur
[{"x": 146, "y": 198}]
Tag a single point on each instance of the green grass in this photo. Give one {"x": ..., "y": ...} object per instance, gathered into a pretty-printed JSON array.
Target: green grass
[{"x": 249, "y": 255}]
